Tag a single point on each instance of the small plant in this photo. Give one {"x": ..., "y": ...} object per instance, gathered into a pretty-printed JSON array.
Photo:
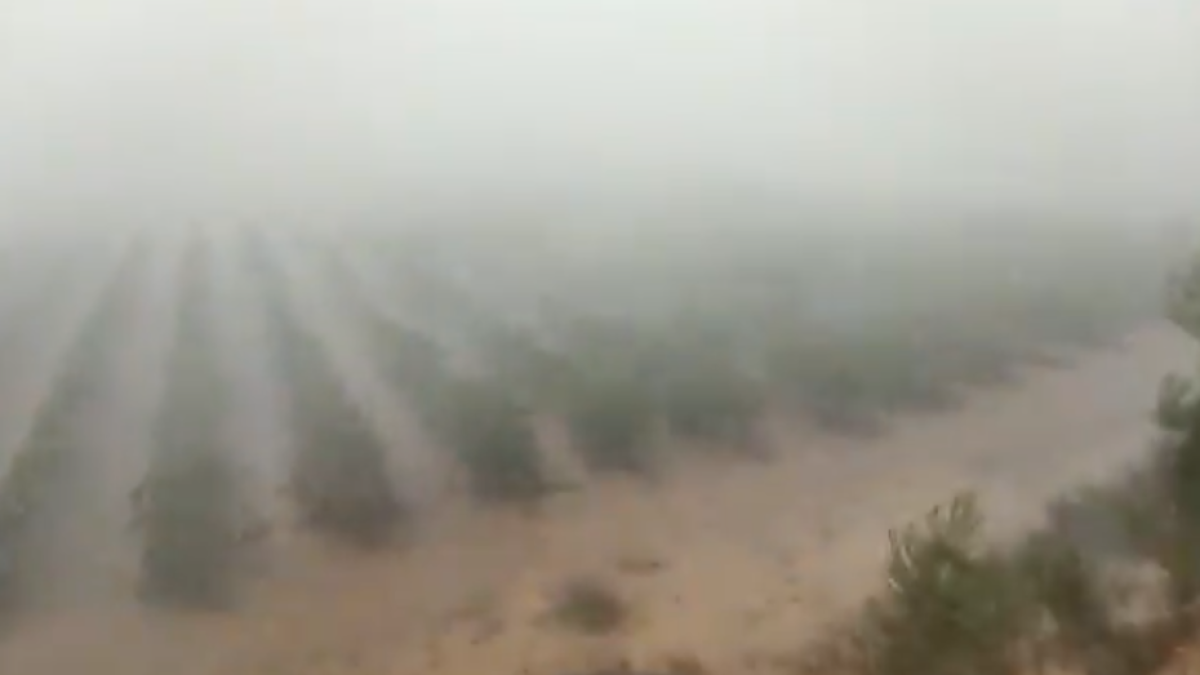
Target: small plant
[
  {"x": 589, "y": 606},
  {"x": 951, "y": 606}
]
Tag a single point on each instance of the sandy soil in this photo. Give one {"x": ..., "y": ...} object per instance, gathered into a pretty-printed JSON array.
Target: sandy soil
[{"x": 734, "y": 563}]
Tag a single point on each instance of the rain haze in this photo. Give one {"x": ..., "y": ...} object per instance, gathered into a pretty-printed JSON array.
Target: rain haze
[
  {"x": 609, "y": 337},
  {"x": 212, "y": 108}
]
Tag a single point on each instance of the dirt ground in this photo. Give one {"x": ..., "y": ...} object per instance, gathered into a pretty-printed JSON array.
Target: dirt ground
[{"x": 731, "y": 562}]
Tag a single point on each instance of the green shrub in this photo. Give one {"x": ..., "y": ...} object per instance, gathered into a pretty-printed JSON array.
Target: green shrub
[
  {"x": 186, "y": 505},
  {"x": 953, "y": 605},
  {"x": 339, "y": 479},
  {"x": 188, "y": 527},
  {"x": 847, "y": 383},
  {"x": 712, "y": 404},
  {"x": 611, "y": 419},
  {"x": 23, "y": 497},
  {"x": 42, "y": 469},
  {"x": 491, "y": 435}
]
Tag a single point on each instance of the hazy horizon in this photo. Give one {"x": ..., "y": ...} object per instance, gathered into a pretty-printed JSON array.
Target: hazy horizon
[{"x": 320, "y": 110}]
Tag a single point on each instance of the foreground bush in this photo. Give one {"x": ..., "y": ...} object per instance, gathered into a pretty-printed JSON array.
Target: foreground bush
[{"x": 953, "y": 604}]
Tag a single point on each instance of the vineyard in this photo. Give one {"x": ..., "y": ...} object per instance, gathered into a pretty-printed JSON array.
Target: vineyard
[{"x": 415, "y": 373}]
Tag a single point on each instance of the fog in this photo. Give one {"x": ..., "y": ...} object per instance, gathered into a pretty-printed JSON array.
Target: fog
[
  {"x": 321, "y": 110},
  {"x": 375, "y": 306}
]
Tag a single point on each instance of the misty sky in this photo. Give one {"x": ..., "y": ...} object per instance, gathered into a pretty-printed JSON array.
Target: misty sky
[{"x": 216, "y": 107}]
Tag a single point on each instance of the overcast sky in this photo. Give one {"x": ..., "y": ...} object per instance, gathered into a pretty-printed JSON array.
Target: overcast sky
[{"x": 211, "y": 107}]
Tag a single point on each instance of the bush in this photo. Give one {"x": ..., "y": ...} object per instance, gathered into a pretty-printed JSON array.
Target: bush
[
  {"x": 611, "y": 419},
  {"x": 491, "y": 435},
  {"x": 187, "y": 505},
  {"x": 22, "y": 497},
  {"x": 188, "y": 524},
  {"x": 339, "y": 479},
  {"x": 589, "y": 606},
  {"x": 710, "y": 404},
  {"x": 832, "y": 380},
  {"x": 42, "y": 469},
  {"x": 954, "y": 606},
  {"x": 701, "y": 390}
]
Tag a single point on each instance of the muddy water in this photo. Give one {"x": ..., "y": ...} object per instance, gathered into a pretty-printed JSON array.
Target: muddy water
[{"x": 732, "y": 562}]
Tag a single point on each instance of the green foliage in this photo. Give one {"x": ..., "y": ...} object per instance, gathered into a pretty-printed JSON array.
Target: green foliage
[
  {"x": 188, "y": 525},
  {"x": 22, "y": 496},
  {"x": 1064, "y": 583},
  {"x": 186, "y": 505},
  {"x": 953, "y": 606},
  {"x": 606, "y": 395},
  {"x": 339, "y": 478},
  {"x": 710, "y": 403},
  {"x": 1178, "y": 463},
  {"x": 491, "y": 435},
  {"x": 849, "y": 382},
  {"x": 702, "y": 392},
  {"x": 42, "y": 469},
  {"x": 611, "y": 418}
]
